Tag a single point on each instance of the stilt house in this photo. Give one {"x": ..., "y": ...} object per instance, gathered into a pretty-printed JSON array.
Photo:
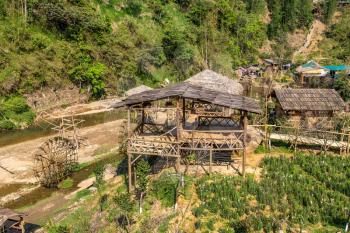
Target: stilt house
[{"x": 201, "y": 124}]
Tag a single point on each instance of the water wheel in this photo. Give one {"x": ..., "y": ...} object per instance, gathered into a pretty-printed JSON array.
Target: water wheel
[{"x": 54, "y": 161}]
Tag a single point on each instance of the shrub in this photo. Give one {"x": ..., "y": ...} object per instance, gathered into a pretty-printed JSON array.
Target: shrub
[
  {"x": 15, "y": 113},
  {"x": 164, "y": 189},
  {"x": 99, "y": 173}
]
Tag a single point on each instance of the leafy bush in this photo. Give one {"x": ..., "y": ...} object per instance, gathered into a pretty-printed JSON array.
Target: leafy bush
[
  {"x": 164, "y": 189},
  {"x": 142, "y": 171},
  {"x": 342, "y": 85},
  {"x": 15, "y": 113},
  {"x": 99, "y": 174}
]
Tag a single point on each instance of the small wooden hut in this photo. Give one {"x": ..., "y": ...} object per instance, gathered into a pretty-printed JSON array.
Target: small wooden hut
[
  {"x": 11, "y": 221},
  {"x": 308, "y": 106},
  {"x": 313, "y": 74},
  {"x": 205, "y": 133}
]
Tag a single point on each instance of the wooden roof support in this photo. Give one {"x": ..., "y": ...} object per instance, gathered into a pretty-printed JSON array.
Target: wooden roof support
[
  {"x": 245, "y": 125},
  {"x": 129, "y": 154}
]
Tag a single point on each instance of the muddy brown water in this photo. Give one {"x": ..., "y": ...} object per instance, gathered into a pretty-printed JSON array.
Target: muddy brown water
[
  {"x": 42, "y": 193},
  {"x": 43, "y": 129}
]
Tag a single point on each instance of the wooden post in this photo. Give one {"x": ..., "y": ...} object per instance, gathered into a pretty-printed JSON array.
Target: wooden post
[
  {"x": 302, "y": 79},
  {"x": 183, "y": 113},
  {"x": 129, "y": 155},
  {"x": 142, "y": 118},
  {"x": 178, "y": 134},
  {"x": 210, "y": 160},
  {"x": 245, "y": 125}
]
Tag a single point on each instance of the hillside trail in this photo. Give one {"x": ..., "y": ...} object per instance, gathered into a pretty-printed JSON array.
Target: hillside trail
[{"x": 315, "y": 35}]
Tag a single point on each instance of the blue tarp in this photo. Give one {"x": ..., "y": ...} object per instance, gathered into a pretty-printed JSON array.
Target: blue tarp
[{"x": 337, "y": 68}]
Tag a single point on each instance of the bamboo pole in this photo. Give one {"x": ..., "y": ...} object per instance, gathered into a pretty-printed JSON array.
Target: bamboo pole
[
  {"x": 142, "y": 119},
  {"x": 129, "y": 154},
  {"x": 210, "y": 160},
  {"x": 178, "y": 135},
  {"x": 245, "y": 124},
  {"x": 183, "y": 112}
]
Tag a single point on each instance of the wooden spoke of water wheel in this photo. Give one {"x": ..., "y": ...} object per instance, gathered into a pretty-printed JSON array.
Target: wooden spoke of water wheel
[{"x": 54, "y": 161}]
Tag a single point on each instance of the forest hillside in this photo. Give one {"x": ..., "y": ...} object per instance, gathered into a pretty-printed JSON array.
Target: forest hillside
[{"x": 104, "y": 47}]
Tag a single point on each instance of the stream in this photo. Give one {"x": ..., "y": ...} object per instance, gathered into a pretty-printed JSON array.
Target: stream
[
  {"x": 42, "y": 193},
  {"x": 43, "y": 129}
]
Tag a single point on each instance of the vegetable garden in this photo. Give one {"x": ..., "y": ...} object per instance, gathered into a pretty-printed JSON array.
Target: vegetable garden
[{"x": 291, "y": 194}]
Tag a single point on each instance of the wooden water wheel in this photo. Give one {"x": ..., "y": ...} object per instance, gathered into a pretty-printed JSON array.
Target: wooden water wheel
[{"x": 54, "y": 161}]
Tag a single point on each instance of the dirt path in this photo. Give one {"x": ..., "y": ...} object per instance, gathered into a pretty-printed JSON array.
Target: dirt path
[
  {"x": 17, "y": 159},
  {"x": 312, "y": 39}
]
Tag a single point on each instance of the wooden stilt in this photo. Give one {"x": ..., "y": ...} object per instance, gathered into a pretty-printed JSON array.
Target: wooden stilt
[
  {"x": 245, "y": 125},
  {"x": 129, "y": 155},
  {"x": 142, "y": 118},
  {"x": 210, "y": 160},
  {"x": 183, "y": 113},
  {"x": 178, "y": 129}
]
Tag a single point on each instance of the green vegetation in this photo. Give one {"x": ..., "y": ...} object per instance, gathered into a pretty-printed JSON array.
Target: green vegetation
[
  {"x": 335, "y": 47},
  {"x": 65, "y": 184},
  {"x": 288, "y": 15},
  {"x": 292, "y": 194},
  {"x": 165, "y": 189},
  {"x": 304, "y": 192},
  {"x": 15, "y": 113},
  {"x": 107, "y": 46},
  {"x": 342, "y": 85}
]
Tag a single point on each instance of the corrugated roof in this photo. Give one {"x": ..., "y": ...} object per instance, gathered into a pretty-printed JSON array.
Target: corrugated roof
[
  {"x": 190, "y": 91},
  {"x": 310, "y": 99},
  {"x": 337, "y": 68}
]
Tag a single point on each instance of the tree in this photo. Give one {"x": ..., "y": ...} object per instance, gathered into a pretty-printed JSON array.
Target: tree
[
  {"x": 342, "y": 85},
  {"x": 99, "y": 173},
  {"x": 142, "y": 170},
  {"x": 329, "y": 8}
]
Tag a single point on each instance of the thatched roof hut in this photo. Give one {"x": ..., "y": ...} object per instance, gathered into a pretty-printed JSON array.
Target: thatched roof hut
[
  {"x": 194, "y": 92},
  {"x": 302, "y": 100},
  {"x": 11, "y": 221},
  {"x": 137, "y": 90},
  {"x": 213, "y": 81}
]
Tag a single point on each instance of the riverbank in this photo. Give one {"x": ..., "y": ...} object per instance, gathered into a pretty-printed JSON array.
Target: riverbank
[{"x": 17, "y": 160}]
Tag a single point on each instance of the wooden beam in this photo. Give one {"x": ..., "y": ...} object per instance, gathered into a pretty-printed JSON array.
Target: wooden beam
[{"x": 245, "y": 125}]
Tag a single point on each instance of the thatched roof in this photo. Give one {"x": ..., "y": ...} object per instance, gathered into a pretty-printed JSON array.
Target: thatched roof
[
  {"x": 310, "y": 99},
  {"x": 217, "y": 82},
  {"x": 137, "y": 90},
  {"x": 190, "y": 91},
  {"x": 6, "y": 214}
]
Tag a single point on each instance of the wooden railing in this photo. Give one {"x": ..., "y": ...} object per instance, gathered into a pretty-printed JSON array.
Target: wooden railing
[{"x": 321, "y": 139}]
